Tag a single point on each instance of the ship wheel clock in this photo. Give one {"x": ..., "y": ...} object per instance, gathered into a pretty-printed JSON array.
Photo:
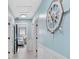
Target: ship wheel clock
[{"x": 54, "y": 16}]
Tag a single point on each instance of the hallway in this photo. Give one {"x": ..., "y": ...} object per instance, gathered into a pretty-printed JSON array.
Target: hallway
[{"x": 43, "y": 25}]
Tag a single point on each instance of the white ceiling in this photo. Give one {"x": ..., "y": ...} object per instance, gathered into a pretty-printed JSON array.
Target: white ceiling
[{"x": 24, "y": 7}]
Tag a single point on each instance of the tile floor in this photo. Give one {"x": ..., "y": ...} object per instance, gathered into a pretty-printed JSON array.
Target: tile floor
[
  {"x": 43, "y": 53},
  {"x": 23, "y": 54}
]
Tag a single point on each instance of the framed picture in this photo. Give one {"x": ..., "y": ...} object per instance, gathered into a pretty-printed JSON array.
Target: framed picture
[{"x": 22, "y": 31}]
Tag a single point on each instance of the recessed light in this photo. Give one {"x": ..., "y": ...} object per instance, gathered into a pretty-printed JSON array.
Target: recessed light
[{"x": 23, "y": 16}]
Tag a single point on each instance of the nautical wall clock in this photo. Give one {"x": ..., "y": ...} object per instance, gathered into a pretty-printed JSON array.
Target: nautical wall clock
[{"x": 54, "y": 16}]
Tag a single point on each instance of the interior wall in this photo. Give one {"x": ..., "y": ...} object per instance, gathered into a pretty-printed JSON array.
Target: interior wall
[
  {"x": 11, "y": 24},
  {"x": 61, "y": 40},
  {"x": 46, "y": 3}
]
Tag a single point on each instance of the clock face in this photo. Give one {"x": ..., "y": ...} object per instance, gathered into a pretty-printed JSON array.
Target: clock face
[
  {"x": 55, "y": 7},
  {"x": 54, "y": 16}
]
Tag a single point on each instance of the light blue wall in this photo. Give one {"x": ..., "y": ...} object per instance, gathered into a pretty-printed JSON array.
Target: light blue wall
[
  {"x": 44, "y": 6},
  {"x": 46, "y": 3},
  {"x": 61, "y": 41}
]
